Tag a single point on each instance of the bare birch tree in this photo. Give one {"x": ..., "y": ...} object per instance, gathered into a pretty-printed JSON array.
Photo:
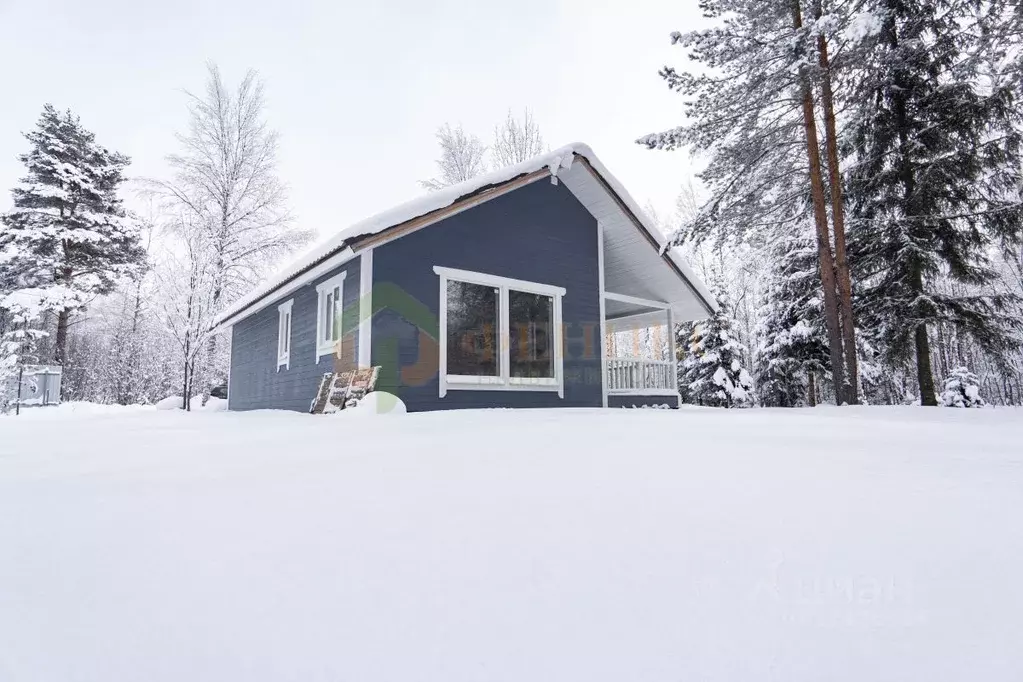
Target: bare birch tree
[
  {"x": 187, "y": 279},
  {"x": 517, "y": 140},
  {"x": 462, "y": 156},
  {"x": 226, "y": 177}
]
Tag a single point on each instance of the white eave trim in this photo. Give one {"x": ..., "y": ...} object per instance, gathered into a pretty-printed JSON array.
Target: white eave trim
[{"x": 288, "y": 287}]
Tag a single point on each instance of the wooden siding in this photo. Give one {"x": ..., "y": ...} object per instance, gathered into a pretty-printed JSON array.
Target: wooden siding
[
  {"x": 255, "y": 382},
  {"x": 538, "y": 233}
]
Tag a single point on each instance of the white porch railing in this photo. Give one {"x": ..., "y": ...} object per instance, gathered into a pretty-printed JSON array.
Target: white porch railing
[{"x": 632, "y": 375}]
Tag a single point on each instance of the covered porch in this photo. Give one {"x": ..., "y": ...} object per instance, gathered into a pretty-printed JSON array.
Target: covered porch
[
  {"x": 646, "y": 287},
  {"x": 640, "y": 358}
]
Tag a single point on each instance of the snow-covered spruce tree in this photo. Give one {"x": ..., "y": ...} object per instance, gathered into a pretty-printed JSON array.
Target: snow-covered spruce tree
[
  {"x": 935, "y": 183},
  {"x": 751, "y": 107},
  {"x": 793, "y": 350},
  {"x": 68, "y": 233},
  {"x": 713, "y": 371},
  {"x": 962, "y": 389}
]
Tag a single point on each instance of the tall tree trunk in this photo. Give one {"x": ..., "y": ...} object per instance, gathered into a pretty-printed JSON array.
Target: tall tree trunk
[
  {"x": 844, "y": 280},
  {"x": 220, "y": 276},
  {"x": 189, "y": 365},
  {"x": 62, "y": 276},
  {"x": 60, "y": 342},
  {"x": 811, "y": 389},
  {"x": 186, "y": 388},
  {"x": 825, "y": 257},
  {"x": 134, "y": 354},
  {"x": 924, "y": 372}
]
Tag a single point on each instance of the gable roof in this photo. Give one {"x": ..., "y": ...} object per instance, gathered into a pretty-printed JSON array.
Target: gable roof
[{"x": 440, "y": 201}]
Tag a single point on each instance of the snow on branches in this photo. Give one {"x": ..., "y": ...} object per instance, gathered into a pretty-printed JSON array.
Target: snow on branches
[
  {"x": 68, "y": 235},
  {"x": 962, "y": 389},
  {"x": 19, "y": 336},
  {"x": 712, "y": 371}
]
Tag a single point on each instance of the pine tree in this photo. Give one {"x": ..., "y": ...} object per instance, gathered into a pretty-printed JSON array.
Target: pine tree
[
  {"x": 713, "y": 368},
  {"x": 751, "y": 107},
  {"x": 935, "y": 183},
  {"x": 68, "y": 233},
  {"x": 793, "y": 349}
]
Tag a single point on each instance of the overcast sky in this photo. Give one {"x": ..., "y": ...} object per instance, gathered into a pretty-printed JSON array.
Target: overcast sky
[{"x": 357, "y": 90}]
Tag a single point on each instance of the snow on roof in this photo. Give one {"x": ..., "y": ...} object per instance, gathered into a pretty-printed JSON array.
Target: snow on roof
[{"x": 553, "y": 161}]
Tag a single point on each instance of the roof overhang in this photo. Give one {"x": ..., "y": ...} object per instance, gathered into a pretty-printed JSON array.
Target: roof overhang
[{"x": 637, "y": 260}]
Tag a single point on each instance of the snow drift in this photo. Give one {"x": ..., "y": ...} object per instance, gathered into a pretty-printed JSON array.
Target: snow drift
[{"x": 805, "y": 545}]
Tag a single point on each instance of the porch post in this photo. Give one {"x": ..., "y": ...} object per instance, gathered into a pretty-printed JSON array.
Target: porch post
[
  {"x": 602, "y": 348},
  {"x": 671, "y": 348}
]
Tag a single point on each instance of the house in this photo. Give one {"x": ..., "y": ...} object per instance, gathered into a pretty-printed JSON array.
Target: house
[{"x": 497, "y": 292}]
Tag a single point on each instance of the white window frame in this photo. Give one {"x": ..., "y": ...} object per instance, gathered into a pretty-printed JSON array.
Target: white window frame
[
  {"x": 284, "y": 324},
  {"x": 323, "y": 289},
  {"x": 503, "y": 381}
]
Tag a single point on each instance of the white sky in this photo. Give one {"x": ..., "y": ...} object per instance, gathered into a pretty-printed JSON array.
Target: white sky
[{"x": 356, "y": 90}]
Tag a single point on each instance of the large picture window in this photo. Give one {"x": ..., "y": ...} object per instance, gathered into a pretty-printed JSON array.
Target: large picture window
[{"x": 499, "y": 333}]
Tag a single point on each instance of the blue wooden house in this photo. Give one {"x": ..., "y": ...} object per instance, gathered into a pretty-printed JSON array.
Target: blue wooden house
[{"x": 501, "y": 291}]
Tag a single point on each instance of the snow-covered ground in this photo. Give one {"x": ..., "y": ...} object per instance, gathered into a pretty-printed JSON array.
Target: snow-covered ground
[{"x": 534, "y": 546}]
